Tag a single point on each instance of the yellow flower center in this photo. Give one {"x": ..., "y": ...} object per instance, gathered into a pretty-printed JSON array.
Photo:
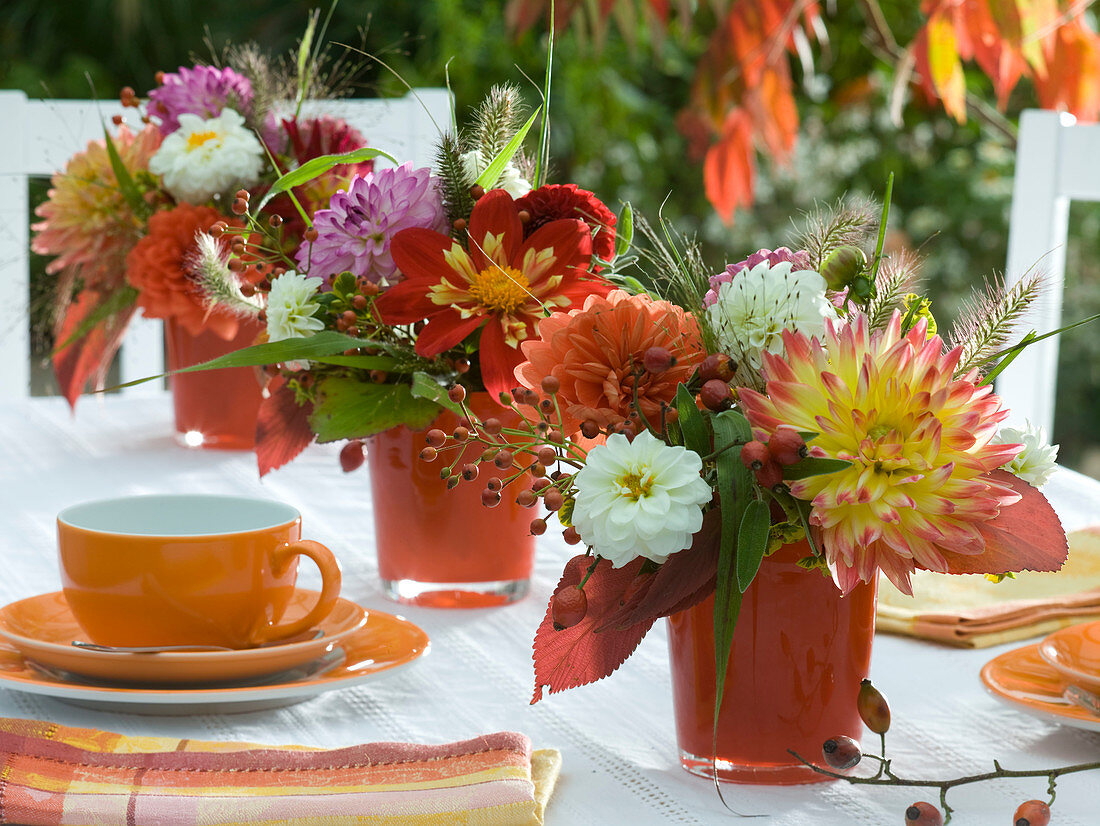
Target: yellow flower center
[
  {"x": 634, "y": 486},
  {"x": 197, "y": 139},
  {"x": 500, "y": 289}
]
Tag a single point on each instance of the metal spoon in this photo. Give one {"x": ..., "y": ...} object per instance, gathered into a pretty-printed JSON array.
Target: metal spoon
[{"x": 162, "y": 649}]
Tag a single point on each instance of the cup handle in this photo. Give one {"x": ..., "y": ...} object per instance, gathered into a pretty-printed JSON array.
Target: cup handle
[{"x": 330, "y": 587}]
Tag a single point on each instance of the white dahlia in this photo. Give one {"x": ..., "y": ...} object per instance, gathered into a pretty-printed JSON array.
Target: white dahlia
[
  {"x": 291, "y": 305},
  {"x": 753, "y": 309},
  {"x": 1037, "y": 461},
  {"x": 640, "y": 498},
  {"x": 206, "y": 157}
]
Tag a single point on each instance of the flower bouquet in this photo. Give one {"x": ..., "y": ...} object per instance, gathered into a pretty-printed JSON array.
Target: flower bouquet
[
  {"x": 408, "y": 281},
  {"x": 744, "y": 453},
  {"x": 121, "y": 221}
]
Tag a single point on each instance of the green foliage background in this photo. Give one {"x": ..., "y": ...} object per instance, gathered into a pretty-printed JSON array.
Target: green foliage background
[{"x": 614, "y": 108}]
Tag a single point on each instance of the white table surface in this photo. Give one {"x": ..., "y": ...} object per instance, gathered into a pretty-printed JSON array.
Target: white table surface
[{"x": 616, "y": 737}]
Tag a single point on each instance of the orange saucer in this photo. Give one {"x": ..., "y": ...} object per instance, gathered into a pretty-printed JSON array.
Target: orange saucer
[
  {"x": 42, "y": 629},
  {"x": 1074, "y": 652},
  {"x": 386, "y": 644},
  {"x": 1022, "y": 679}
]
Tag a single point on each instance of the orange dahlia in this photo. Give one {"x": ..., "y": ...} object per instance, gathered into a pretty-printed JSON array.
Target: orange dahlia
[
  {"x": 596, "y": 355},
  {"x": 919, "y": 440},
  {"x": 87, "y": 222},
  {"x": 156, "y": 266}
]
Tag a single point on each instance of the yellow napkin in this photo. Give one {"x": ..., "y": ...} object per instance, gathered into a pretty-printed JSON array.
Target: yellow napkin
[{"x": 969, "y": 611}]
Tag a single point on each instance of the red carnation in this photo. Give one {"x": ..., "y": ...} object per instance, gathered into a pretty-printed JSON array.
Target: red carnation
[{"x": 556, "y": 201}]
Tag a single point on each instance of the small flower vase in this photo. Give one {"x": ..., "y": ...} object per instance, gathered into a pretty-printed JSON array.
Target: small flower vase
[
  {"x": 214, "y": 408},
  {"x": 800, "y": 650},
  {"x": 443, "y": 548}
]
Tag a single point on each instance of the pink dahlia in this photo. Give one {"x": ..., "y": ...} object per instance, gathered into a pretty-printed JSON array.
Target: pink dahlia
[
  {"x": 799, "y": 261},
  {"x": 920, "y": 485},
  {"x": 204, "y": 91},
  {"x": 354, "y": 233}
]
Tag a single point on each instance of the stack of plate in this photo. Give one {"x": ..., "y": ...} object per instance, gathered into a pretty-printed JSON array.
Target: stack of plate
[
  {"x": 1054, "y": 679},
  {"x": 352, "y": 645}
]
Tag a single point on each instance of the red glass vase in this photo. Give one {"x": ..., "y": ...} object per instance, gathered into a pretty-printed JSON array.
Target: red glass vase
[
  {"x": 800, "y": 650},
  {"x": 214, "y": 408},
  {"x": 440, "y": 547}
]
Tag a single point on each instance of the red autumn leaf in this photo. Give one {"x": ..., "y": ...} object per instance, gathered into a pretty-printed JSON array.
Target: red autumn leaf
[
  {"x": 282, "y": 427},
  {"x": 989, "y": 33},
  {"x": 774, "y": 112},
  {"x": 685, "y": 579},
  {"x": 1073, "y": 82},
  {"x": 1026, "y": 536},
  {"x": 89, "y": 357},
  {"x": 578, "y": 655},
  {"x": 729, "y": 169}
]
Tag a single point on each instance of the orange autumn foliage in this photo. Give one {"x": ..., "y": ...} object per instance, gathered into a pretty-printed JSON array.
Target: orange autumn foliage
[{"x": 742, "y": 99}]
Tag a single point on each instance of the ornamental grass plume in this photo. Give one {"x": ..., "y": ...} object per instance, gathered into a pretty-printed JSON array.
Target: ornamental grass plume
[
  {"x": 919, "y": 440},
  {"x": 596, "y": 354}
]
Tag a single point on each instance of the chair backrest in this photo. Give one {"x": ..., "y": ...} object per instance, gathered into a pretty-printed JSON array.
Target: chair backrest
[
  {"x": 39, "y": 137},
  {"x": 1057, "y": 161}
]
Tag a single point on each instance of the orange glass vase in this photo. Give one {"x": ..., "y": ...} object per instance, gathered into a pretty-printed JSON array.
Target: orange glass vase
[
  {"x": 214, "y": 408},
  {"x": 443, "y": 548},
  {"x": 800, "y": 650}
]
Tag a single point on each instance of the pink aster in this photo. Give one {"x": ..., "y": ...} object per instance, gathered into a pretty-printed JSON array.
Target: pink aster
[
  {"x": 204, "y": 91},
  {"x": 354, "y": 233}
]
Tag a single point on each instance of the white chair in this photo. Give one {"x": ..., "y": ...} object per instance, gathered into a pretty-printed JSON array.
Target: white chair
[
  {"x": 1057, "y": 161},
  {"x": 39, "y": 136}
]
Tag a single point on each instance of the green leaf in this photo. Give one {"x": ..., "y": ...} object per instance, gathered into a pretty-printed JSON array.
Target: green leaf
[
  {"x": 491, "y": 173},
  {"x": 735, "y": 485},
  {"x": 359, "y": 362},
  {"x": 877, "y": 259},
  {"x": 346, "y": 408},
  {"x": 752, "y": 541},
  {"x": 316, "y": 167},
  {"x": 633, "y": 285},
  {"x": 325, "y": 343},
  {"x": 126, "y": 183},
  {"x": 691, "y": 422},
  {"x": 624, "y": 229},
  {"x": 425, "y": 387},
  {"x": 114, "y": 303},
  {"x": 804, "y": 468},
  {"x": 803, "y": 507},
  {"x": 542, "y": 163}
]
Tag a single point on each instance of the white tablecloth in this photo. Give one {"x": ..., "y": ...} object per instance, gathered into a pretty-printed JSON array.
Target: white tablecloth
[{"x": 617, "y": 737}]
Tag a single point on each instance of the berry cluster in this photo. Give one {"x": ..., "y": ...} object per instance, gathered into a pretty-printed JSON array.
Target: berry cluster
[
  {"x": 842, "y": 753},
  {"x": 766, "y": 461}
]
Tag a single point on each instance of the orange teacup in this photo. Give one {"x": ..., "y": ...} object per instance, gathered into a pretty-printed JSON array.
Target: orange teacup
[{"x": 188, "y": 570}]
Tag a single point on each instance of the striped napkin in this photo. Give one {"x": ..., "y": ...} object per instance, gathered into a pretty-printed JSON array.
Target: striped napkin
[
  {"x": 970, "y": 611},
  {"x": 56, "y": 775}
]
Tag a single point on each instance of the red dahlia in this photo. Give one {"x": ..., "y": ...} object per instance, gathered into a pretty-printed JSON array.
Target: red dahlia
[{"x": 556, "y": 201}]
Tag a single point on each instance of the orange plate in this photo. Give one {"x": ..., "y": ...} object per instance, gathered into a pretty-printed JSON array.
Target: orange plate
[
  {"x": 385, "y": 644},
  {"x": 1023, "y": 680},
  {"x": 42, "y": 628},
  {"x": 1074, "y": 652}
]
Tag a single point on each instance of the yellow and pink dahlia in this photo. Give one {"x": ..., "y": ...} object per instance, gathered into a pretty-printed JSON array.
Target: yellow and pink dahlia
[
  {"x": 919, "y": 441},
  {"x": 86, "y": 222}
]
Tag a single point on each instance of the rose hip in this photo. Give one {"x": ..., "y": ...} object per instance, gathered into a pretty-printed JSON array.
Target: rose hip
[
  {"x": 1032, "y": 813},
  {"x": 568, "y": 607},
  {"x": 923, "y": 814}
]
